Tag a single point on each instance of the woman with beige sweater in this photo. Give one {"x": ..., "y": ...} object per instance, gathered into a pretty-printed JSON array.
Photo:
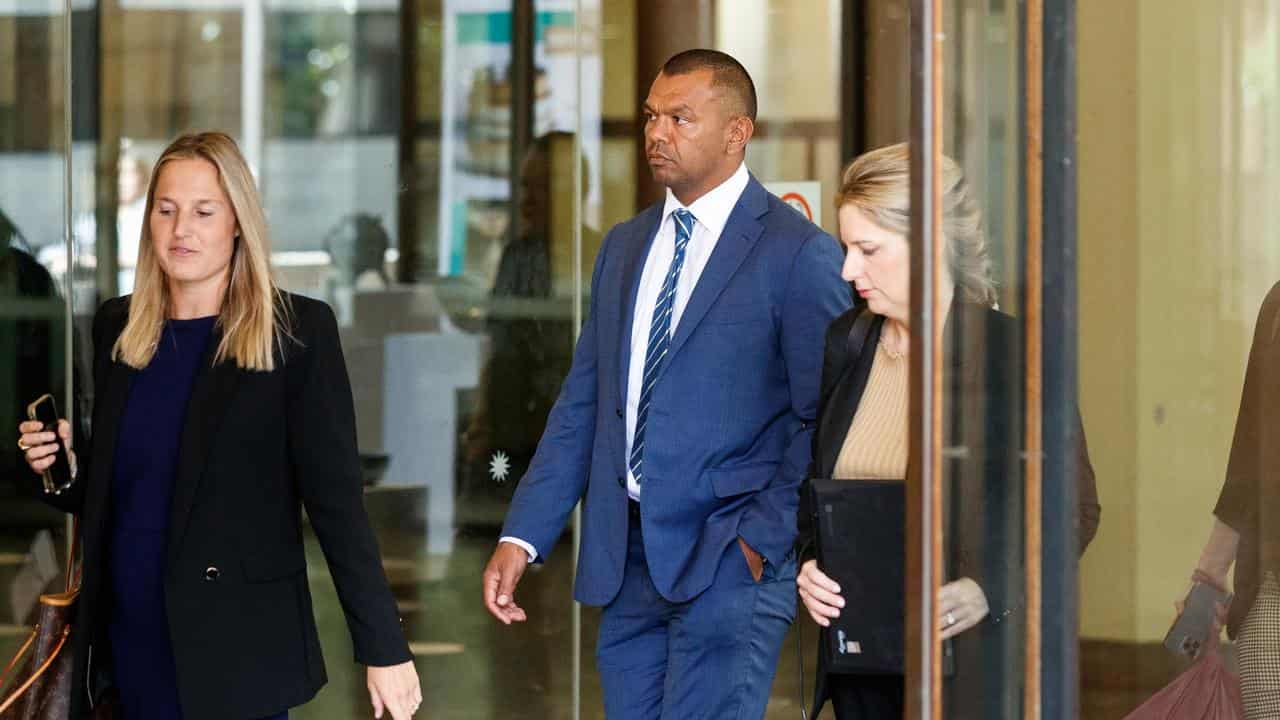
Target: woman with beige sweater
[{"x": 862, "y": 433}]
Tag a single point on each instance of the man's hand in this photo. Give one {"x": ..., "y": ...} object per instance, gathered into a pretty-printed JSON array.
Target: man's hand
[
  {"x": 501, "y": 576},
  {"x": 754, "y": 561}
]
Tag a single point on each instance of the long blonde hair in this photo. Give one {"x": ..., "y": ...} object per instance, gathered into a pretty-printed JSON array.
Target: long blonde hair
[
  {"x": 251, "y": 318},
  {"x": 878, "y": 184}
]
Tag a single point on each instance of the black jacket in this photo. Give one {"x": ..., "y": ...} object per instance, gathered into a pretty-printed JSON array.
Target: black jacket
[
  {"x": 1250, "y": 499},
  {"x": 256, "y": 448},
  {"x": 983, "y": 482}
]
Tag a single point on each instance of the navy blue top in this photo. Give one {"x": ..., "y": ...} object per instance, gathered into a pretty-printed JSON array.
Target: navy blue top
[{"x": 146, "y": 465}]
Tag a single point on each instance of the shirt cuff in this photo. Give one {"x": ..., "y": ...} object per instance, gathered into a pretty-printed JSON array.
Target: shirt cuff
[{"x": 533, "y": 554}]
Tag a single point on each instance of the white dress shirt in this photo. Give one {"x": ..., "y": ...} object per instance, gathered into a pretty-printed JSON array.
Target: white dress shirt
[{"x": 711, "y": 213}]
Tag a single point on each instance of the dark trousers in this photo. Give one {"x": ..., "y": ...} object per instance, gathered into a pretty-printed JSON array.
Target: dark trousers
[
  {"x": 711, "y": 657},
  {"x": 863, "y": 697}
]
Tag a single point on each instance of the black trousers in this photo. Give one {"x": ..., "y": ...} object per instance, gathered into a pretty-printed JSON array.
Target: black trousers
[{"x": 866, "y": 697}]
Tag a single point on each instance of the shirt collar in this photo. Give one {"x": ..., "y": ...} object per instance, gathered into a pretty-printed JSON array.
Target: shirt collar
[{"x": 713, "y": 209}]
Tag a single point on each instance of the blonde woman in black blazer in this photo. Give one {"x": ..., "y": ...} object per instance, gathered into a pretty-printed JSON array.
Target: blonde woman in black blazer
[
  {"x": 979, "y": 605},
  {"x": 222, "y": 410}
]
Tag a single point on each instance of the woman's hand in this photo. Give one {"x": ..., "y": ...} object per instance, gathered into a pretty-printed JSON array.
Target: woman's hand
[
  {"x": 39, "y": 448},
  {"x": 396, "y": 689},
  {"x": 821, "y": 594},
  {"x": 1218, "y": 582},
  {"x": 961, "y": 605}
]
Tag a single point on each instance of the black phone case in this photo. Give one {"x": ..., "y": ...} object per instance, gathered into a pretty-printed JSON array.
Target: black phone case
[{"x": 58, "y": 476}]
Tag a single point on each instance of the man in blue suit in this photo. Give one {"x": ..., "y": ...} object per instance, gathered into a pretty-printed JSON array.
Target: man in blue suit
[{"x": 686, "y": 419}]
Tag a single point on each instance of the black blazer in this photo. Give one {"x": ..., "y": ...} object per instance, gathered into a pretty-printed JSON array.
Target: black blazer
[
  {"x": 983, "y": 422},
  {"x": 257, "y": 448}
]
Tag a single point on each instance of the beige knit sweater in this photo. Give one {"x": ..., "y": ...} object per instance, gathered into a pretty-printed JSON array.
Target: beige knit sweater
[{"x": 876, "y": 446}]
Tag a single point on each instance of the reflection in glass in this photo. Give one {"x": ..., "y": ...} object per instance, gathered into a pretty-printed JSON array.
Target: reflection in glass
[
  {"x": 33, "y": 263},
  {"x": 387, "y": 173},
  {"x": 1246, "y": 529},
  {"x": 1177, "y": 219}
]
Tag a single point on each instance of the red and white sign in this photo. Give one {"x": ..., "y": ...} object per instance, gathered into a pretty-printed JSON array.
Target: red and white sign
[{"x": 803, "y": 196}]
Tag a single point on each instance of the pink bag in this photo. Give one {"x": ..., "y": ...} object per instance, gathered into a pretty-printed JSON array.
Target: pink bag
[{"x": 1205, "y": 691}]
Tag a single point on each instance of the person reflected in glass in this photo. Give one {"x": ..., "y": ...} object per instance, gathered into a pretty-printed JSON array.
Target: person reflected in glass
[
  {"x": 130, "y": 215},
  {"x": 222, "y": 410},
  {"x": 27, "y": 338},
  {"x": 1246, "y": 525},
  {"x": 531, "y": 338},
  {"x": 862, "y": 432}
]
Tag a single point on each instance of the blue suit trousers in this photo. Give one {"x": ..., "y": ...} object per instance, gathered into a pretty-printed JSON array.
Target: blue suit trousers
[{"x": 712, "y": 657}]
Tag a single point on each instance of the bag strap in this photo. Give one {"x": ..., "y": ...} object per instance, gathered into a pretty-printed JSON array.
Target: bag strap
[
  {"x": 74, "y": 569},
  {"x": 858, "y": 335},
  {"x": 18, "y": 655}
]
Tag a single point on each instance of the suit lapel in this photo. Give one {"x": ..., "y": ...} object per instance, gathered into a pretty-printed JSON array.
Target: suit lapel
[
  {"x": 637, "y": 249},
  {"x": 211, "y": 394},
  {"x": 837, "y": 416},
  {"x": 736, "y": 242},
  {"x": 108, "y": 410}
]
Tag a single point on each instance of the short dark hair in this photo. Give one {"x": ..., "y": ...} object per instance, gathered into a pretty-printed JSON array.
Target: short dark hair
[{"x": 727, "y": 74}]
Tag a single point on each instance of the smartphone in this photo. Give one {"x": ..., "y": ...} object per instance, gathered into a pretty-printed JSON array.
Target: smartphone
[
  {"x": 1190, "y": 632},
  {"x": 57, "y": 477}
]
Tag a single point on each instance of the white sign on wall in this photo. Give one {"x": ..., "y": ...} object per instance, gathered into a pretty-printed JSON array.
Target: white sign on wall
[{"x": 803, "y": 196}]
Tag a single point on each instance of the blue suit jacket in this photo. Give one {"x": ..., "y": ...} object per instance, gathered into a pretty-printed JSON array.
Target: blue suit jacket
[{"x": 731, "y": 417}]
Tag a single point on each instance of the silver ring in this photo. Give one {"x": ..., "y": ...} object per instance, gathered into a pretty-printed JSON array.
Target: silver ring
[{"x": 950, "y": 619}]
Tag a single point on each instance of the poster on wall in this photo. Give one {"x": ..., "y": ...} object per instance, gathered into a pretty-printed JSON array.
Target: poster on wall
[{"x": 476, "y": 167}]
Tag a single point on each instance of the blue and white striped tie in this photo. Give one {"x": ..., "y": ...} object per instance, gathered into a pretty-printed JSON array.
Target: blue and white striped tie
[{"x": 659, "y": 337}]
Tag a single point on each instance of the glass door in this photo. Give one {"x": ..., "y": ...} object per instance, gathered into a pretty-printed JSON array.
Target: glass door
[
  {"x": 1001, "y": 493},
  {"x": 35, "y": 269}
]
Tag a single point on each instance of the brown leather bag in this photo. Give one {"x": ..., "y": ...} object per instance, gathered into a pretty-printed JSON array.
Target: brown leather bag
[{"x": 41, "y": 689}]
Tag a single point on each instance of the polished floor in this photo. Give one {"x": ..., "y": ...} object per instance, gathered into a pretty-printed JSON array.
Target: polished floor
[{"x": 473, "y": 668}]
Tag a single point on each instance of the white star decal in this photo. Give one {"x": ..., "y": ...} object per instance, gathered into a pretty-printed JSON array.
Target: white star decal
[{"x": 499, "y": 467}]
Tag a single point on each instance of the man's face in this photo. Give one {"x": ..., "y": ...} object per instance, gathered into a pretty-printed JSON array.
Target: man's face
[{"x": 688, "y": 133}]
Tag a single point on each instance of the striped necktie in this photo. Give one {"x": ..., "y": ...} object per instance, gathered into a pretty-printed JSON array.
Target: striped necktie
[{"x": 659, "y": 337}]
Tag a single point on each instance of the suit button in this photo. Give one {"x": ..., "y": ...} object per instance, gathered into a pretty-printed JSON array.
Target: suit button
[
  {"x": 618, "y": 411},
  {"x": 622, "y": 482},
  {"x": 211, "y": 574}
]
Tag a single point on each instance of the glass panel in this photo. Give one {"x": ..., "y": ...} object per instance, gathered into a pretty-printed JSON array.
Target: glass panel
[
  {"x": 983, "y": 368},
  {"x": 442, "y": 173},
  {"x": 1178, "y": 266},
  {"x": 384, "y": 143},
  {"x": 792, "y": 50},
  {"x": 33, "y": 273}
]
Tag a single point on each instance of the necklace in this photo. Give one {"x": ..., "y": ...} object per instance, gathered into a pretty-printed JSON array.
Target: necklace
[
  {"x": 895, "y": 340},
  {"x": 890, "y": 352}
]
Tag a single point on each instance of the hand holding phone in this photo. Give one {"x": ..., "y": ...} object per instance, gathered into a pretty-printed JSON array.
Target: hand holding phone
[
  {"x": 1198, "y": 622},
  {"x": 47, "y": 456}
]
